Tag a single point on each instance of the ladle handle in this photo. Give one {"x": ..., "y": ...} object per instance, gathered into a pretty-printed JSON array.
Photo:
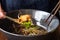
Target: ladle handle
[{"x": 14, "y": 20}]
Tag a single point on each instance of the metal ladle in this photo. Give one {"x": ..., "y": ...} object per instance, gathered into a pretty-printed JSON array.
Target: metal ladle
[{"x": 12, "y": 19}]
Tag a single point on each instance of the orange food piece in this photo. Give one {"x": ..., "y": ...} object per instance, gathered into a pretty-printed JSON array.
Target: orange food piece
[{"x": 24, "y": 18}]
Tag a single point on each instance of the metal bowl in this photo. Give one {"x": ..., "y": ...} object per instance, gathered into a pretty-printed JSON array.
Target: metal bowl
[{"x": 38, "y": 16}]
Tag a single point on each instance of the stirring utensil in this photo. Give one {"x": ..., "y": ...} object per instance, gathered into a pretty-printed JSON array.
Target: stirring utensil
[
  {"x": 54, "y": 14},
  {"x": 14, "y": 20},
  {"x": 55, "y": 9}
]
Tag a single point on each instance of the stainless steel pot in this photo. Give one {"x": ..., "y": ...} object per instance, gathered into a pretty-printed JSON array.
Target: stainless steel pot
[{"x": 38, "y": 16}]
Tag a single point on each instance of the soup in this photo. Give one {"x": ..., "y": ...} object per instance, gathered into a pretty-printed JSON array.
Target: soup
[{"x": 27, "y": 27}]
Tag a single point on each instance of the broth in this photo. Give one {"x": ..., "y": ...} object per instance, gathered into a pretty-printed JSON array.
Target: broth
[{"x": 26, "y": 26}]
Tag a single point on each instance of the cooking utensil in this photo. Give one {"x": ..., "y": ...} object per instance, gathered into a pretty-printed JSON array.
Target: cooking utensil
[
  {"x": 50, "y": 16},
  {"x": 14, "y": 20},
  {"x": 54, "y": 14}
]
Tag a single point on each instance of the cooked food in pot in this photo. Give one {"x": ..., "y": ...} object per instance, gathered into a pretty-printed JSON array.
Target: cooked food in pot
[
  {"x": 26, "y": 26},
  {"x": 24, "y": 18}
]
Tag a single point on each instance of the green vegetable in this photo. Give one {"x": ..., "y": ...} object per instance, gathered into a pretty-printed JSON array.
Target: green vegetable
[{"x": 27, "y": 24}]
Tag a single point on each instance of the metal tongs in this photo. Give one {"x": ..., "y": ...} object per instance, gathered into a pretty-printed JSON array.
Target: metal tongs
[{"x": 55, "y": 10}]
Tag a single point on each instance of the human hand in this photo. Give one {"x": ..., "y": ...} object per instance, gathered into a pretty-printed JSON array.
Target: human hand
[{"x": 2, "y": 14}]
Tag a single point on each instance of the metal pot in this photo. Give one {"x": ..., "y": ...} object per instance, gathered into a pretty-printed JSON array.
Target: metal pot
[{"x": 38, "y": 16}]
